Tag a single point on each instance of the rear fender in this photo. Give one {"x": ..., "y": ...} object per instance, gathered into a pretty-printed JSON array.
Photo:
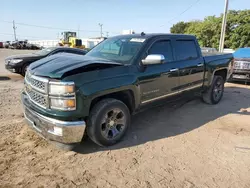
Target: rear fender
[{"x": 216, "y": 65}]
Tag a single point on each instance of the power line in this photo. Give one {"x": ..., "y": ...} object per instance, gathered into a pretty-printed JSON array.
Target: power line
[
  {"x": 187, "y": 9},
  {"x": 54, "y": 28},
  {"x": 10, "y": 34},
  {"x": 47, "y": 27}
]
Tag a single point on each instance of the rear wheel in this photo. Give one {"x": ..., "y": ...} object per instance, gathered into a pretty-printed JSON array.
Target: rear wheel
[
  {"x": 215, "y": 92},
  {"x": 108, "y": 121}
]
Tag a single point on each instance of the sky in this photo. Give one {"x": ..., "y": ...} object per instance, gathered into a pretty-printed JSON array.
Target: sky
[{"x": 46, "y": 19}]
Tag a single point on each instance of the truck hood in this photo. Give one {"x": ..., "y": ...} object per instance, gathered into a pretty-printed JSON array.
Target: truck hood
[{"x": 65, "y": 64}]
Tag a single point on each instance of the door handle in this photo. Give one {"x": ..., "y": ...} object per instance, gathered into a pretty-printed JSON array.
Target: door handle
[
  {"x": 174, "y": 70},
  {"x": 200, "y": 65}
]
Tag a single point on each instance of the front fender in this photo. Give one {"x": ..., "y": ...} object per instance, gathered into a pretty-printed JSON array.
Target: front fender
[{"x": 90, "y": 91}]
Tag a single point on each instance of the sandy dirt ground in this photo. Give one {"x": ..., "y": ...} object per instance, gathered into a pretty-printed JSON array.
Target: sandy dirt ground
[{"x": 188, "y": 144}]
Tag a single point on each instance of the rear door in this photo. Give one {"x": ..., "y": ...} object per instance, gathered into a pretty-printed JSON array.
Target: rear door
[
  {"x": 159, "y": 81},
  {"x": 190, "y": 64}
]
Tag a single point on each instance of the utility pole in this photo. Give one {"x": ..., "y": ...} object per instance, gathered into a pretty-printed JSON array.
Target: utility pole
[
  {"x": 78, "y": 33},
  {"x": 223, "y": 27},
  {"x": 14, "y": 28},
  {"x": 101, "y": 28},
  {"x": 107, "y": 33}
]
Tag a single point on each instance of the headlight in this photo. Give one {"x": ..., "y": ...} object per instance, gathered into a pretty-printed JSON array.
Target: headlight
[
  {"x": 63, "y": 103},
  {"x": 62, "y": 95},
  {"x": 61, "y": 88},
  {"x": 14, "y": 61}
]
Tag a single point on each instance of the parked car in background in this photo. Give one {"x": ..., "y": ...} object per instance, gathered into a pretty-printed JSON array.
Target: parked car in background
[
  {"x": 33, "y": 46},
  {"x": 19, "y": 63},
  {"x": 16, "y": 45},
  {"x": 65, "y": 97},
  {"x": 20, "y": 45},
  {"x": 6, "y": 44},
  {"x": 241, "y": 70},
  {"x": 208, "y": 50},
  {"x": 1, "y": 44}
]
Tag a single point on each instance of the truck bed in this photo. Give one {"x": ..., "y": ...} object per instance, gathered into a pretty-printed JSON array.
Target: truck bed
[{"x": 209, "y": 57}]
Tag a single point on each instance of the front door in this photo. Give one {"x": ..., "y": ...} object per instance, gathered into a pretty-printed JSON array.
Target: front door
[{"x": 159, "y": 81}]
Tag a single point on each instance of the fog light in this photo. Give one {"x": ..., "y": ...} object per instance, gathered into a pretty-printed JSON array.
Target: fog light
[{"x": 56, "y": 131}]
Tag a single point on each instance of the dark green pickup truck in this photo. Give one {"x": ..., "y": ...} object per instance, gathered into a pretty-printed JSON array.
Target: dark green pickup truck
[{"x": 66, "y": 96}]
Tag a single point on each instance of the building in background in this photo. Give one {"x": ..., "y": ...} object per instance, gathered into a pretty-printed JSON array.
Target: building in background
[
  {"x": 87, "y": 42},
  {"x": 127, "y": 32},
  {"x": 44, "y": 43},
  {"x": 228, "y": 50},
  {"x": 91, "y": 42}
]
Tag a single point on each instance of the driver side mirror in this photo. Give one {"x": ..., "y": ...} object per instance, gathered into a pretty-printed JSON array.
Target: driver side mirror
[{"x": 153, "y": 59}]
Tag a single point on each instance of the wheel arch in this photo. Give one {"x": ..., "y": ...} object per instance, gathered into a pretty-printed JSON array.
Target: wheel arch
[
  {"x": 219, "y": 72},
  {"x": 126, "y": 96}
]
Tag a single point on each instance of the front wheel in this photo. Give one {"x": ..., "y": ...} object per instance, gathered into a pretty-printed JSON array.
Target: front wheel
[
  {"x": 108, "y": 121},
  {"x": 215, "y": 93}
]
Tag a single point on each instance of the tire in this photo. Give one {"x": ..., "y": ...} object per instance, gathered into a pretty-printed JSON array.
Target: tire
[
  {"x": 24, "y": 69},
  {"x": 103, "y": 126},
  {"x": 215, "y": 93}
]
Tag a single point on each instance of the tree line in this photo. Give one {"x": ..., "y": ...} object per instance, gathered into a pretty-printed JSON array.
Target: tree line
[{"x": 208, "y": 30}]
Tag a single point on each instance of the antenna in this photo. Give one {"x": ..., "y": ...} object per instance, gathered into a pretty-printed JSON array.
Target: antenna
[{"x": 142, "y": 34}]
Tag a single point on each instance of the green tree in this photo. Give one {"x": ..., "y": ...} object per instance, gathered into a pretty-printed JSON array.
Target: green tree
[
  {"x": 179, "y": 28},
  {"x": 208, "y": 30},
  {"x": 238, "y": 29}
]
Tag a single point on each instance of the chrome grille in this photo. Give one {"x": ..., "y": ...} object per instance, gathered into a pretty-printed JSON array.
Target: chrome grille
[
  {"x": 36, "y": 82},
  {"x": 36, "y": 89},
  {"x": 246, "y": 65},
  {"x": 237, "y": 65},
  {"x": 36, "y": 97},
  {"x": 242, "y": 65}
]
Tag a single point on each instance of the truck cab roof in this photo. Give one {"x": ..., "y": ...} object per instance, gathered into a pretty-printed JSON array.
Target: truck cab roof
[{"x": 152, "y": 35}]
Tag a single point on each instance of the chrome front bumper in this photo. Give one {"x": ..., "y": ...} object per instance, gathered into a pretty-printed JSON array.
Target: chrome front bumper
[{"x": 66, "y": 132}]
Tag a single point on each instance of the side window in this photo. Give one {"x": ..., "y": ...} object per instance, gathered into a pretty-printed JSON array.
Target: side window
[
  {"x": 164, "y": 48},
  {"x": 186, "y": 49}
]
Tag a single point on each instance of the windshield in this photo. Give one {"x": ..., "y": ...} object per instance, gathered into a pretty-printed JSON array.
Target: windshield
[
  {"x": 121, "y": 50},
  {"x": 45, "y": 51}
]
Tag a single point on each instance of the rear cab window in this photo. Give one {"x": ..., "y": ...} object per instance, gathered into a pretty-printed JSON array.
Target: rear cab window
[{"x": 186, "y": 50}]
